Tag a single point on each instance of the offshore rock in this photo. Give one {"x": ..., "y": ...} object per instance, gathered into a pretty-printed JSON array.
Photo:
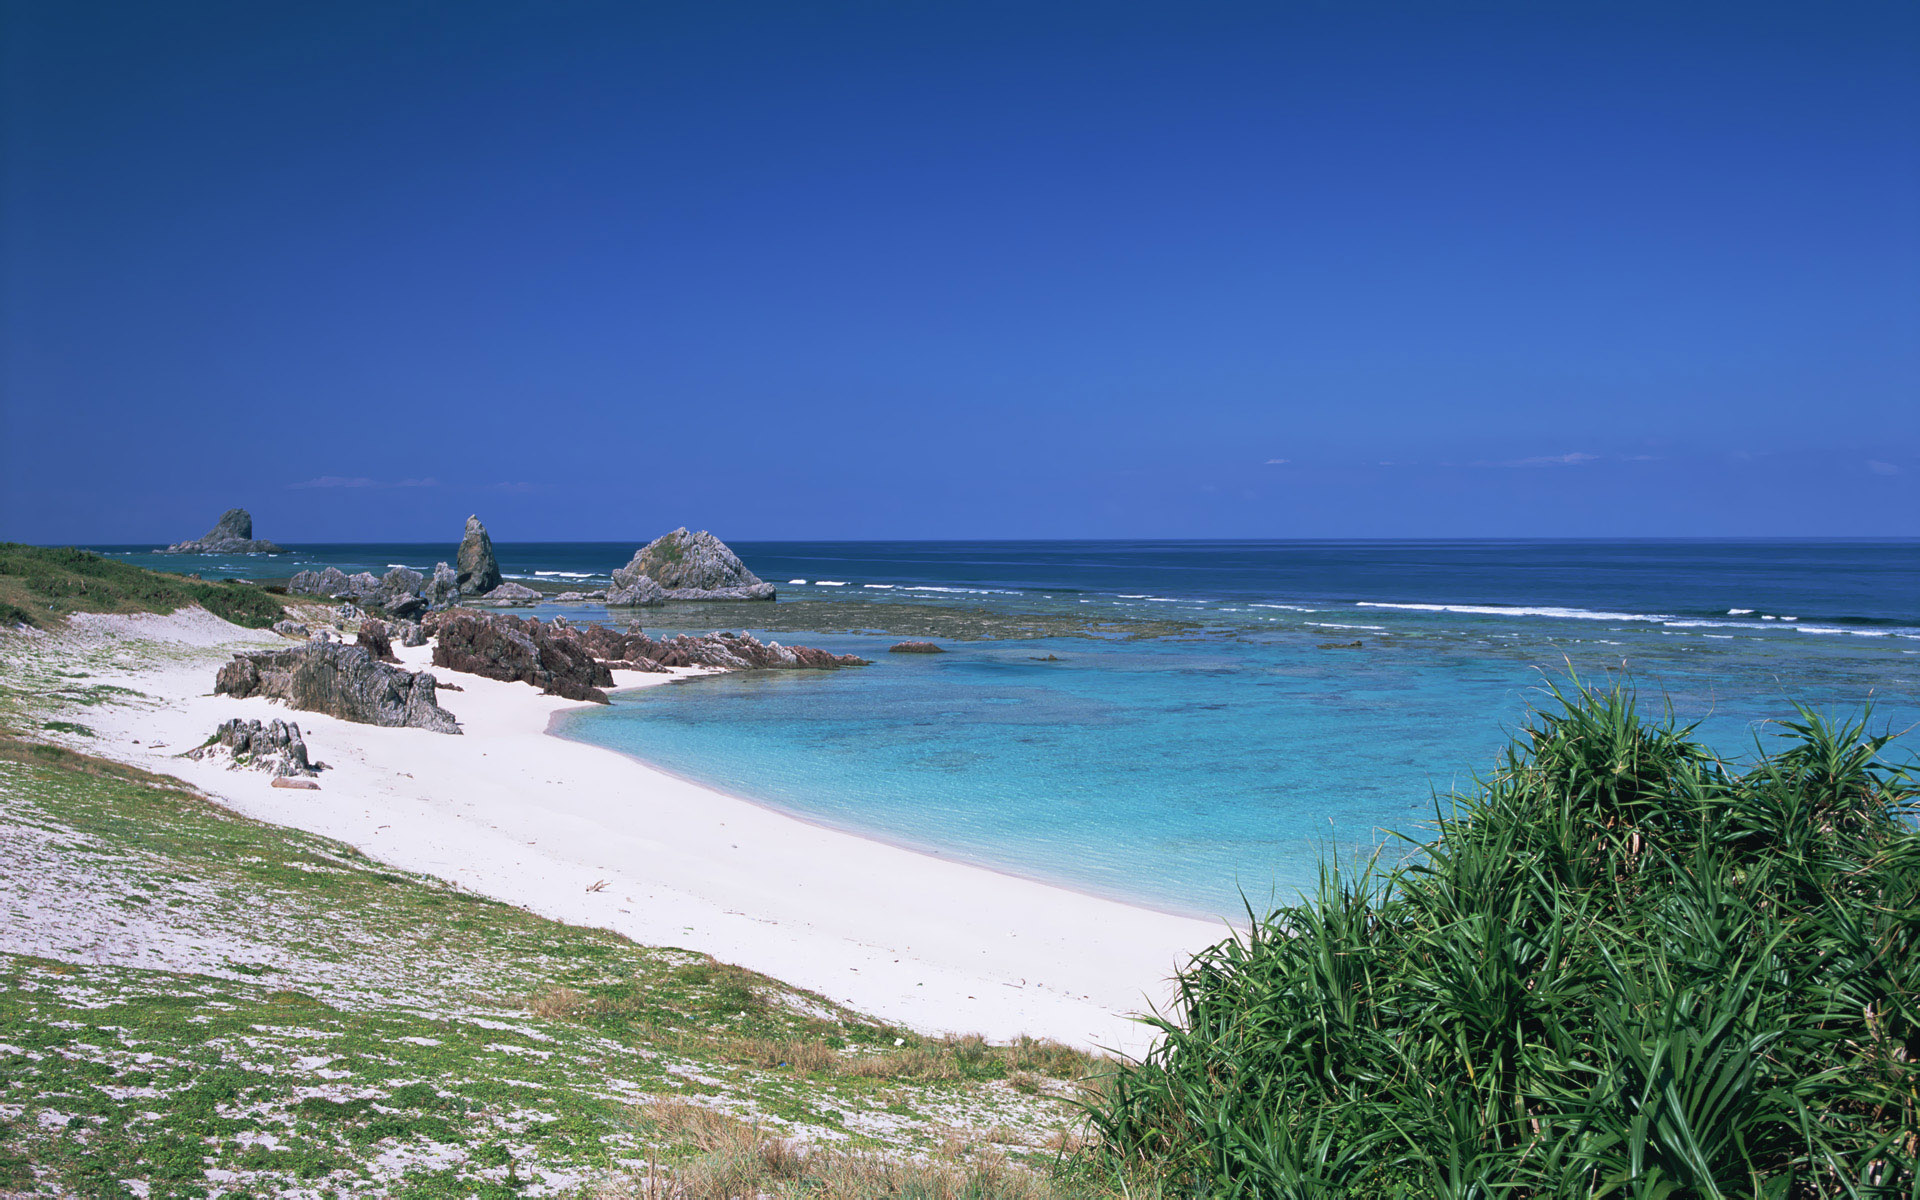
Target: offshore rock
[
  {"x": 633, "y": 590},
  {"x": 231, "y": 534},
  {"x": 511, "y": 593},
  {"x": 479, "y": 571},
  {"x": 339, "y": 680},
  {"x": 691, "y": 566},
  {"x": 914, "y": 648},
  {"x": 275, "y": 746}
]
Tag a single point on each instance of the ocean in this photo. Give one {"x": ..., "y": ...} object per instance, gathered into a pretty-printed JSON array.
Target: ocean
[{"x": 1189, "y": 725}]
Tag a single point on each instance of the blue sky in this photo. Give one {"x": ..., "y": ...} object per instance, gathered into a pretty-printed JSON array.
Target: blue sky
[{"x": 926, "y": 270}]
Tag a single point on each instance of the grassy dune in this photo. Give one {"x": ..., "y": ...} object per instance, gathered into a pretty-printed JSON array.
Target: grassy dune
[{"x": 41, "y": 586}]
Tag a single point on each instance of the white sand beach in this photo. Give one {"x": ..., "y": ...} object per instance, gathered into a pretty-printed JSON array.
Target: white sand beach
[{"x": 593, "y": 837}]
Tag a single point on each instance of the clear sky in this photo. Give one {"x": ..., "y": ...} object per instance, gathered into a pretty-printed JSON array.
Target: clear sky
[{"x": 953, "y": 270}]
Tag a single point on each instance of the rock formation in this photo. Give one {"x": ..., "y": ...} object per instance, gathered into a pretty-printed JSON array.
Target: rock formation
[
  {"x": 292, "y": 629},
  {"x": 275, "y": 746},
  {"x": 914, "y": 648},
  {"x": 376, "y": 638},
  {"x": 330, "y": 582},
  {"x": 577, "y": 663},
  {"x": 339, "y": 680},
  {"x": 631, "y": 589},
  {"x": 479, "y": 571},
  {"x": 687, "y": 566},
  {"x": 443, "y": 589},
  {"x": 231, "y": 534},
  {"x": 511, "y": 593}
]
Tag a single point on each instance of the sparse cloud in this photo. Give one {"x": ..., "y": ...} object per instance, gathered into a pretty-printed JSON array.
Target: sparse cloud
[
  {"x": 1882, "y": 468},
  {"x": 1278, "y": 462},
  {"x": 1576, "y": 458},
  {"x": 519, "y": 488},
  {"x": 361, "y": 481}
]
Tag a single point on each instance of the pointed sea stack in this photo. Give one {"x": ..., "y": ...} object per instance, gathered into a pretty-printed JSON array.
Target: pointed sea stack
[{"x": 479, "y": 570}]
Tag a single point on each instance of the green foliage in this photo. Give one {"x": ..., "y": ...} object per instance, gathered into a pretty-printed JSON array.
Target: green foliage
[
  {"x": 40, "y": 585},
  {"x": 1624, "y": 967}
]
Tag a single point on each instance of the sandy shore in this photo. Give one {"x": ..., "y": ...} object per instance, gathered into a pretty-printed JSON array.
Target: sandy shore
[{"x": 591, "y": 836}]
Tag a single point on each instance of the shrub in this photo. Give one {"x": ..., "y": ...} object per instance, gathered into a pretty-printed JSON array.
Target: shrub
[{"x": 1623, "y": 967}]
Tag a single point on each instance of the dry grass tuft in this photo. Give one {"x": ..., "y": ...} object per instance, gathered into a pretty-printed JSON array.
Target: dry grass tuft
[{"x": 792, "y": 1054}]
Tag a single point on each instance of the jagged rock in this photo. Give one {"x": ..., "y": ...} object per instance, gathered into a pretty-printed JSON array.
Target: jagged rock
[
  {"x": 407, "y": 606},
  {"x": 292, "y": 629},
  {"x": 511, "y": 593},
  {"x": 339, "y": 680},
  {"x": 443, "y": 589},
  {"x": 330, "y": 582},
  {"x": 688, "y": 566},
  {"x": 569, "y": 597},
  {"x": 479, "y": 570},
  {"x": 364, "y": 588},
  {"x": 410, "y": 634},
  {"x": 633, "y": 590},
  {"x": 555, "y": 660},
  {"x": 914, "y": 648},
  {"x": 275, "y": 746},
  {"x": 231, "y": 534},
  {"x": 376, "y": 638},
  {"x": 401, "y": 582},
  {"x": 578, "y": 662}
]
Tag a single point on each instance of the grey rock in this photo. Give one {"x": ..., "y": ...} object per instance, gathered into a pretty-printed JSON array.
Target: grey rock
[
  {"x": 341, "y": 681},
  {"x": 231, "y": 534},
  {"x": 479, "y": 571},
  {"x": 410, "y": 633},
  {"x": 511, "y": 593},
  {"x": 275, "y": 746},
  {"x": 443, "y": 589},
  {"x": 292, "y": 629},
  {"x": 407, "y": 606},
  {"x": 633, "y": 590},
  {"x": 402, "y": 581},
  {"x": 330, "y": 582},
  {"x": 687, "y": 566}
]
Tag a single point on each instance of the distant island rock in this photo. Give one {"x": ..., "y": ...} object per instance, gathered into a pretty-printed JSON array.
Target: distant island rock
[
  {"x": 479, "y": 570},
  {"x": 683, "y": 565},
  {"x": 231, "y": 534},
  {"x": 914, "y": 648}
]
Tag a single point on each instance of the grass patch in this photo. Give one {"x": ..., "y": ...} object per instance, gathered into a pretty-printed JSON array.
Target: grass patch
[{"x": 41, "y": 586}]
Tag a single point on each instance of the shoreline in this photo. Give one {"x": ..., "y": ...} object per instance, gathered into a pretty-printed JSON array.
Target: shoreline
[
  {"x": 592, "y": 836},
  {"x": 560, "y": 716}
]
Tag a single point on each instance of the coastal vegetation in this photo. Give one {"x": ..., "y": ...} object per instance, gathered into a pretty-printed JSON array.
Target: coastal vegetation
[
  {"x": 1623, "y": 967},
  {"x": 41, "y": 586}
]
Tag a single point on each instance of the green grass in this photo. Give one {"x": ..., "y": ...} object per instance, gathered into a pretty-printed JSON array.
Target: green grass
[
  {"x": 1623, "y": 968},
  {"x": 339, "y": 1011},
  {"x": 41, "y": 586}
]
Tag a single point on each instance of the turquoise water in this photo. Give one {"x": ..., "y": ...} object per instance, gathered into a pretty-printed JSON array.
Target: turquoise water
[{"x": 1183, "y": 771}]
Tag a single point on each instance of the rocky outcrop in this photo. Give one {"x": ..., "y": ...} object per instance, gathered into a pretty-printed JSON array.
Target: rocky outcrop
[
  {"x": 292, "y": 629},
  {"x": 553, "y": 658},
  {"x": 578, "y": 662},
  {"x": 914, "y": 648},
  {"x": 231, "y": 534},
  {"x": 339, "y": 680},
  {"x": 478, "y": 569},
  {"x": 443, "y": 589},
  {"x": 511, "y": 593},
  {"x": 376, "y": 638},
  {"x": 687, "y": 566},
  {"x": 275, "y": 746},
  {"x": 330, "y": 582},
  {"x": 631, "y": 589}
]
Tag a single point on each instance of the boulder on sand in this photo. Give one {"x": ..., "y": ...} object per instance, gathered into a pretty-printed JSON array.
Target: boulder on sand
[
  {"x": 339, "y": 680},
  {"x": 688, "y": 566},
  {"x": 376, "y": 637},
  {"x": 479, "y": 570},
  {"x": 273, "y": 746},
  {"x": 231, "y": 534}
]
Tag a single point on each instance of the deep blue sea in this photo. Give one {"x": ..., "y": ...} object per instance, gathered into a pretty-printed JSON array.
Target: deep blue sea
[{"x": 1229, "y": 754}]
